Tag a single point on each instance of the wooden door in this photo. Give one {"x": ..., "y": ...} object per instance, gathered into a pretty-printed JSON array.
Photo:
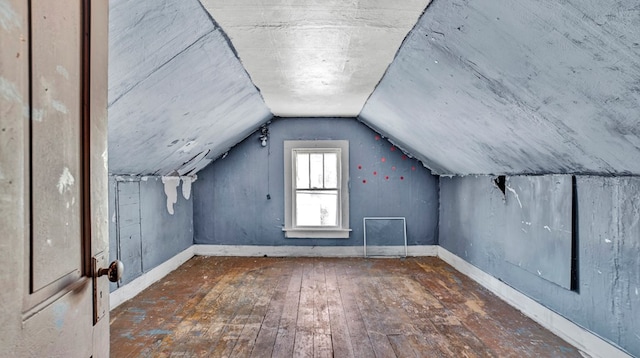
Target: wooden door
[{"x": 53, "y": 178}]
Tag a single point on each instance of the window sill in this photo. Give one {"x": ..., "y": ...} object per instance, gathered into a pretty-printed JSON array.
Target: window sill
[{"x": 315, "y": 233}]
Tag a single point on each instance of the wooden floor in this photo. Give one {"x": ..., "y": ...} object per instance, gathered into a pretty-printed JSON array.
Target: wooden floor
[{"x": 311, "y": 307}]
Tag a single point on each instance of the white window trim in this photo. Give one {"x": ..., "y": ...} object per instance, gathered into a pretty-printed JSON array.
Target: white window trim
[{"x": 342, "y": 231}]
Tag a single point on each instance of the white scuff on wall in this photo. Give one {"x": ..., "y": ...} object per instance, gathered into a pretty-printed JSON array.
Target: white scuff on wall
[
  {"x": 516, "y": 195},
  {"x": 8, "y": 17},
  {"x": 59, "y": 106},
  {"x": 62, "y": 71},
  {"x": 105, "y": 159},
  {"x": 188, "y": 147},
  {"x": 171, "y": 191},
  {"x": 9, "y": 91},
  {"x": 66, "y": 180},
  {"x": 37, "y": 114}
]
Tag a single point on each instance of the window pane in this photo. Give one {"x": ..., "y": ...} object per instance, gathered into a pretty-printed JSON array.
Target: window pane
[
  {"x": 302, "y": 170},
  {"x": 331, "y": 170},
  {"x": 317, "y": 208},
  {"x": 316, "y": 162}
]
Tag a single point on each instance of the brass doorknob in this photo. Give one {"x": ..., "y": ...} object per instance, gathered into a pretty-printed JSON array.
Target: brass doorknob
[{"x": 113, "y": 272}]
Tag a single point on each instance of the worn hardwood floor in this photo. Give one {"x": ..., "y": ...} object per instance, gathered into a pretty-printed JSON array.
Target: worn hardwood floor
[{"x": 317, "y": 307}]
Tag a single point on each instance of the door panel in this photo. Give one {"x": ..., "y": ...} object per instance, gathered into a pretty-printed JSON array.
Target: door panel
[
  {"x": 56, "y": 130},
  {"x": 61, "y": 329},
  {"x": 53, "y": 176},
  {"x": 129, "y": 231}
]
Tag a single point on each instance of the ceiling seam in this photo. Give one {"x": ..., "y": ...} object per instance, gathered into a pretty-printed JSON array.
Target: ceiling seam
[
  {"x": 159, "y": 67},
  {"x": 395, "y": 56},
  {"x": 235, "y": 53}
]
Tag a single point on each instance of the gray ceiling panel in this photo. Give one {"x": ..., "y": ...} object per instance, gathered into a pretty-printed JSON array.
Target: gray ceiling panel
[
  {"x": 178, "y": 95},
  {"x": 504, "y": 87}
]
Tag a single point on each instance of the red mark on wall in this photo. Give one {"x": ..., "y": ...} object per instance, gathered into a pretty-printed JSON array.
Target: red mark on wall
[
  {"x": 393, "y": 168},
  {"x": 401, "y": 178},
  {"x": 413, "y": 168},
  {"x": 360, "y": 167},
  {"x": 375, "y": 173},
  {"x": 364, "y": 181},
  {"x": 383, "y": 159},
  {"x": 404, "y": 157},
  {"x": 377, "y": 137},
  {"x": 386, "y": 178},
  {"x": 393, "y": 149}
]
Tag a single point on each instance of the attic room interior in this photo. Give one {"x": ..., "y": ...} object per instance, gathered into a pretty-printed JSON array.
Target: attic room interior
[{"x": 364, "y": 178}]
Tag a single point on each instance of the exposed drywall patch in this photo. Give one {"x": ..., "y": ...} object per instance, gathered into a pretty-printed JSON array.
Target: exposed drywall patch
[
  {"x": 171, "y": 191},
  {"x": 8, "y": 17},
  {"x": 66, "y": 181}
]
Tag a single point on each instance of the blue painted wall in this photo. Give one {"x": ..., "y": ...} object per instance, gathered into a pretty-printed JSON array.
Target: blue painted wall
[
  {"x": 474, "y": 226},
  {"x": 230, "y": 196},
  {"x": 142, "y": 233}
]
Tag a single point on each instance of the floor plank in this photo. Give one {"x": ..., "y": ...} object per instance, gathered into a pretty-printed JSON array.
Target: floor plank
[
  {"x": 285, "y": 338},
  {"x": 313, "y": 307}
]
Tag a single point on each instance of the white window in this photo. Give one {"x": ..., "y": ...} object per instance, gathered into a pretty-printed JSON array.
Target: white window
[{"x": 316, "y": 189}]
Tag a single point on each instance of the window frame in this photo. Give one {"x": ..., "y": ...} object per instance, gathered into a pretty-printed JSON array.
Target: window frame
[{"x": 291, "y": 230}]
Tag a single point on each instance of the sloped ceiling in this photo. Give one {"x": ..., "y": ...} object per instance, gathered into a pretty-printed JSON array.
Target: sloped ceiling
[
  {"x": 503, "y": 87},
  {"x": 178, "y": 96},
  {"x": 315, "y": 58},
  {"x": 477, "y": 87}
]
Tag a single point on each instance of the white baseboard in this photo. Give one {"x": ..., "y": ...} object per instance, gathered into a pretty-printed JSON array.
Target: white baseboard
[
  {"x": 310, "y": 251},
  {"x": 136, "y": 286},
  {"x": 575, "y": 335}
]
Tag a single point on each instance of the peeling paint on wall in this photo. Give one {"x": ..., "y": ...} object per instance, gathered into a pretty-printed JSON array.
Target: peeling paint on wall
[
  {"x": 171, "y": 191},
  {"x": 186, "y": 186}
]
